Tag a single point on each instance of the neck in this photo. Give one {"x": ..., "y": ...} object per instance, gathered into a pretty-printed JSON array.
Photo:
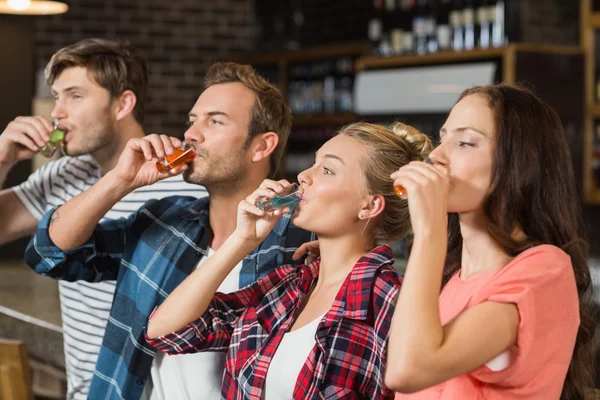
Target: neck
[
  {"x": 339, "y": 255},
  {"x": 480, "y": 252},
  {"x": 108, "y": 155},
  {"x": 223, "y": 203}
]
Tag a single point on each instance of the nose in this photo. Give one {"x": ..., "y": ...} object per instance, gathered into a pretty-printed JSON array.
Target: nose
[
  {"x": 439, "y": 156},
  {"x": 193, "y": 134},
  {"x": 304, "y": 178},
  {"x": 58, "y": 112}
]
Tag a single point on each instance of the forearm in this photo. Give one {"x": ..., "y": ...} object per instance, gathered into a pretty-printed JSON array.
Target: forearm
[
  {"x": 74, "y": 222},
  {"x": 4, "y": 170},
  {"x": 416, "y": 328},
  {"x": 191, "y": 299}
]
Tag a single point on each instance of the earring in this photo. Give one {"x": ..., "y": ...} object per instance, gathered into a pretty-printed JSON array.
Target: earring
[{"x": 361, "y": 216}]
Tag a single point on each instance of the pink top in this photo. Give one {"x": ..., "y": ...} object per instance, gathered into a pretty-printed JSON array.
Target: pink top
[{"x": 541, "y": 283}]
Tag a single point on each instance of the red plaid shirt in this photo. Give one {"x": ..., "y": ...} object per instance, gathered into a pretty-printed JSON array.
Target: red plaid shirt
[{"x": 348, "y": 359}]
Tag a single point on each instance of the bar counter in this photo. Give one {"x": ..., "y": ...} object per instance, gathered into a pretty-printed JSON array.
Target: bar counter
[{"x": 30, "y": 311}]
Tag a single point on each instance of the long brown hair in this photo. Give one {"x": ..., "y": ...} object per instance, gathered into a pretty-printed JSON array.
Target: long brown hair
[{"x": 533, "y": 189}]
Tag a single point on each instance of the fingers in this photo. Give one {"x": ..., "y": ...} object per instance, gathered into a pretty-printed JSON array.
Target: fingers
[
  {"x": 146, "y": 147},
  {"x": 248, "y": 206},
  {"x": 18, "y": 136},
  {"x": 421, "y": 172},
  {"x": 167, "y": 144},
  {"x": 308, "y": 247},
  {"x": 310, "y": 258},
  {"x": 269, "y": 189},
  {"x": 276, "y": 186},
  {"x": 31, "y": 127},
  {"x": 156, "y": 146}
]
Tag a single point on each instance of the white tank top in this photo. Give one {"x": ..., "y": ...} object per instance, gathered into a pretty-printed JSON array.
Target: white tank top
[{"x": 288, "y": 360}]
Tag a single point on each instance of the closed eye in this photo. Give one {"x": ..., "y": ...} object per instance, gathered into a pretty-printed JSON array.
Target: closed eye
[{"x": 463, "y": 144}]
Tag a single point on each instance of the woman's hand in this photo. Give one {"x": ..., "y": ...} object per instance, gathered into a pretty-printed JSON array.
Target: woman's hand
[
  {"x": 253, "y": 224},
  {"x": 427, "y": 187}
]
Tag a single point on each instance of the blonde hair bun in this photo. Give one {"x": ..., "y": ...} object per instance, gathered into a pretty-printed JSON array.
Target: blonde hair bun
[{"x": 420, "y": 145}]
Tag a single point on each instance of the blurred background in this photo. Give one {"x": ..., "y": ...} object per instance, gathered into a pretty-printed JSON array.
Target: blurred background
[{"x": 336, "y": 61}]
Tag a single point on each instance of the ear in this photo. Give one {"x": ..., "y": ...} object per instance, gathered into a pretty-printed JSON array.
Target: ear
[
  {"x": 374, "y": 206},
  {"x": 125, "y": 104},
  {"x": 263, "y": 145}
]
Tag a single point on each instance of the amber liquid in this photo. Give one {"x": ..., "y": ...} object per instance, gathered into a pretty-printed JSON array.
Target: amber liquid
[
  {"x": 400, "y": 191},
  {"x": 179, "y": 157}
]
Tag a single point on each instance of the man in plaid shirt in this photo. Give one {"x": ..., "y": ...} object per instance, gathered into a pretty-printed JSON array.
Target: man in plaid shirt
[{"x": 239, "y": 127}]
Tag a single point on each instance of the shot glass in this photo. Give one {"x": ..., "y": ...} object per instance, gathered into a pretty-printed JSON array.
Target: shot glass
[
  {"x": 56, "y": 139},
  {"x": 292, "y": 196},
  {"x": 184, "y": 154}
]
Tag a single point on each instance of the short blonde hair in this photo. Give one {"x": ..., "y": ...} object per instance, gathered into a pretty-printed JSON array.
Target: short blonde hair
[
  {"x": 390, "y": 149},
  {"x": 270, "y": 112}
]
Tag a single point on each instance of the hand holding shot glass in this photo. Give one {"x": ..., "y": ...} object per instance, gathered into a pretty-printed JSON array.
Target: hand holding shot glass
[
  {"x": 401, "y": 190},
  {"x": 292, "y": 196},
  {"x": 180, "y": 156},
  {"x": 57, "y": 138}
]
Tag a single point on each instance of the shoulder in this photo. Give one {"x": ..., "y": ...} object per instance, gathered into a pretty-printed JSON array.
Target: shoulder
[
  {"x": 544, "y": 262},
  {"x": 177, "y": 185},
  {"x": 55, "y": 168},
  {"x": 177, "y": 206}
]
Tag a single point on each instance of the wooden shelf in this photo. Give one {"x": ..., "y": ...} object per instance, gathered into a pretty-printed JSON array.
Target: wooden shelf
[
  {"x": 311, "y": 53},
  {"x": 374, "y": 62},
  {"x": 336, "y": 119},
  {"x": 593, "y": 196},
  {"x": 593, "y": 20}
]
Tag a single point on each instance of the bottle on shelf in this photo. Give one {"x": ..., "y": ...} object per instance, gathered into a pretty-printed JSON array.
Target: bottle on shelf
[
  {"x": 497, "y": 11},
  {"x": 430, "y": 27},
  {"x": 407, "y": 11},
  {"x": 484, "y": 17},
  {"x": 469, "y": 24},
  {"x": 375, "y": 29},
  {"x": 420, "y": 28},
  {"x": 443, "y": 27},
  {"x": 397, "y": 31},
  {"x": 458, "y": 25}
]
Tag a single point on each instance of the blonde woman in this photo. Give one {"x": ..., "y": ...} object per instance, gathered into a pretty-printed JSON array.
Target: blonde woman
[{"x": 318, "y": 330}]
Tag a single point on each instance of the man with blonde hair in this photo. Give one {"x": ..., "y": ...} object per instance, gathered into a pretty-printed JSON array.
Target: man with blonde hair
[
  {"x": 99, "y": 89},
  {"x": 239, "y": 127}
]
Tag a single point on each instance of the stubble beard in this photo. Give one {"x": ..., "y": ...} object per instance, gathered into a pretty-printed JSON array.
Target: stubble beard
[
  {"x": 219, "y": 176},
  {"x": 101, "y": 135}
]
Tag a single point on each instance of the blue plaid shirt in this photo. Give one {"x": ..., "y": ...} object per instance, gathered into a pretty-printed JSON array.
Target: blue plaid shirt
[{"x": 149, "y": 254}]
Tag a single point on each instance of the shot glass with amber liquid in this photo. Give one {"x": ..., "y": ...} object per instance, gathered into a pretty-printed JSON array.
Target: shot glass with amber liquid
[
  {"x": 401, "y": 190},
  {"x": 180, "y": 156}
]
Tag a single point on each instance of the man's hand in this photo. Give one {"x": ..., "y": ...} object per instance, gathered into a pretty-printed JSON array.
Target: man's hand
[
  {"x": 22, "y": 139},
  {"x": 310, "y": 248},
  {"x": 137, "y": 164}
]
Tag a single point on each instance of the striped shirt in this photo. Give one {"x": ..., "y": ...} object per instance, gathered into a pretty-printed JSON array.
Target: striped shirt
[
  {"x": 149, "y": 254},
  {"x": 85, "y": 307},
  {"x": 347, "y": 360}
]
